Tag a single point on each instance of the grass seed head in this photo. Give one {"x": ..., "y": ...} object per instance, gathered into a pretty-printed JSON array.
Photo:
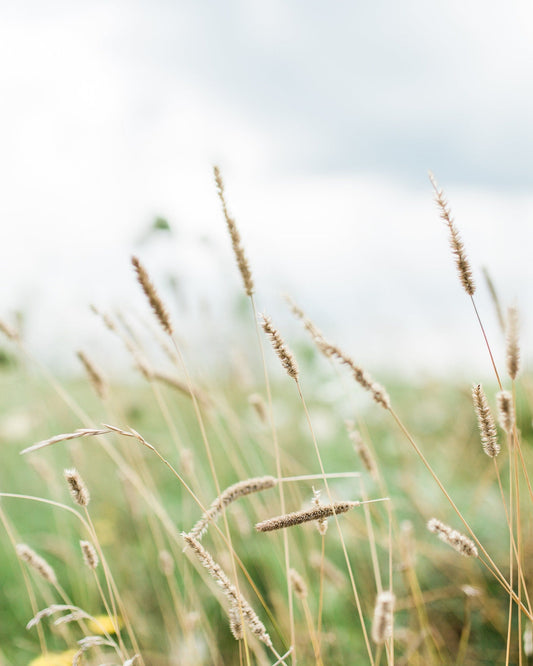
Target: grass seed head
[
  {"x": 77, "y": 487},
  {"x": 487, "y": 427},
  {"x": 90, "y": 556},
  {"x": 456, "y": 244},
  {"x": 36, "y": 562},
  {"x": 453, "y": 538},
  {"x": 506, "y": 416},
  {"x": 383, "y": 617},
  {"x": 152, "y": 295}
]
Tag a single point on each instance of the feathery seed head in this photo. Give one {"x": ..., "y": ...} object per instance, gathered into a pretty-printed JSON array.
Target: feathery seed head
[
  {"x": 297, "y": 584},
  {"x": 90, "y": 556},
  {"x": 77, "y": 487},
  {"x": 513, "y": 347},
  {"x": 506, "y": 416},
  {"x": 95, "y": 376},
  {"x": 36, "y": 562},
  {"x": 487, "y": 427},
  {"x": 279, "y": 346},
  {"x": 152, "y": 295},
  {"x": 453, "y": 538},
  {"x": 382, "y": 623},
  {"x": 242, "y": 261},
  {"x": 229, "y": 495},
  {"x": 456, "y": 244}
]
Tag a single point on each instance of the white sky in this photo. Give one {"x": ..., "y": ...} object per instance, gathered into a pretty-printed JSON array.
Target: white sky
[{"x": 325, "y": 120}]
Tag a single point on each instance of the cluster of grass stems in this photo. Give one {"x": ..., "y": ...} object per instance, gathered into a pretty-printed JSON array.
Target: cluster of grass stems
[{"x": 233, "y": 543}]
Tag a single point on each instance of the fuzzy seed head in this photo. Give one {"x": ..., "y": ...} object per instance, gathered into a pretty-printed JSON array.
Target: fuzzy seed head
[
  {"x": 513, "y": 346},
  {"x": 77, "y": 487},
  {"x": 297, "y": 584},
  {"x": 36, "y": 562},
  {"x": 298, "y": 517},
  {"x": 456, "y": 244},
  {"x": 456, "y": 540},
  {"x": 487, "y": 427},
  {"x": 152, "y": 295},
  {"x": 279, "y": 346},
  {"x": 382, "y": 623},
  {"x": 242, "y": 261},
  {"x": 506, "y": 416},
  {"x": 90, "y": 556}
]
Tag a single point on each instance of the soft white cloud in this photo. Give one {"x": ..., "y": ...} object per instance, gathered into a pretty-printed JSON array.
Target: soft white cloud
[{"x": 325, "y": 121}]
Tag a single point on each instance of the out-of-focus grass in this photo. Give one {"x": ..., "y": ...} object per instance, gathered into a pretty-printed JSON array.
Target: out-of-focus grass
[{"x": 439, "y": 414}]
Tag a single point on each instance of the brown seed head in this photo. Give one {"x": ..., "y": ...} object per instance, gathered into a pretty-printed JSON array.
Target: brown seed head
[
  {"x": 152, "y": 295},
  {"x": 506, "y": 416},
  {"x": 242, "y": 261},
  {"x": 281, "y": 349},
  {"x": 95, "y": 376},
  {"x": 456, "y": 244},
  {"x": 90, "y": 556},
  {"x": 456, "y": 540},
  {"x": 229, "y": 495},
  {"x": 362, "y": 450},
  {"x": 298, "y": 517},
  {"x": 236, "y": 600},
  {"x": 487, "y": 427},
  {"x": 297, "y": 584},
  {"x": 77, "y": 487}
]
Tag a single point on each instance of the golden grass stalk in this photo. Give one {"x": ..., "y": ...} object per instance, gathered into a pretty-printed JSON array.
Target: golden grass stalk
[
  {"x": 383, "y": 617},
  {"x": 78, "y": 489},
  {"x": 279, "y": 346},
  {"x": 513, "y": 347},
  {"x": 95, "y": 375},
  {"x": 456, "y": 244},
  {"x": 152, "y": 295},
  {"x": 36, "y": 562},
  {"x": 229, "y": 495},
  {"x": 90, "y": 556},
  {"x": 298, "y": 517},
  {"x": 506, "y": 417},
  {"x": 242, "y": 261},
  {"x": 487, "y": 427},
  {"x": 236, "y": 599},
  {"x": 453, "y": 538}
]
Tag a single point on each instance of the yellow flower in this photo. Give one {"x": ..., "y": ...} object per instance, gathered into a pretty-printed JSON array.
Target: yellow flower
[
  {"x": 102, "y": 624},
  {"x": 54, "y": 659}
]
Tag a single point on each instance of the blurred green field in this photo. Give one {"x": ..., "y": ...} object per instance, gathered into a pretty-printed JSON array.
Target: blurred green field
[{"x": 180, "y": 619}]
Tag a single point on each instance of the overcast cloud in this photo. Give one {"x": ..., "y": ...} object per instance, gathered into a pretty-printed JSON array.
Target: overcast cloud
[{"x": 325, "y": 119}]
